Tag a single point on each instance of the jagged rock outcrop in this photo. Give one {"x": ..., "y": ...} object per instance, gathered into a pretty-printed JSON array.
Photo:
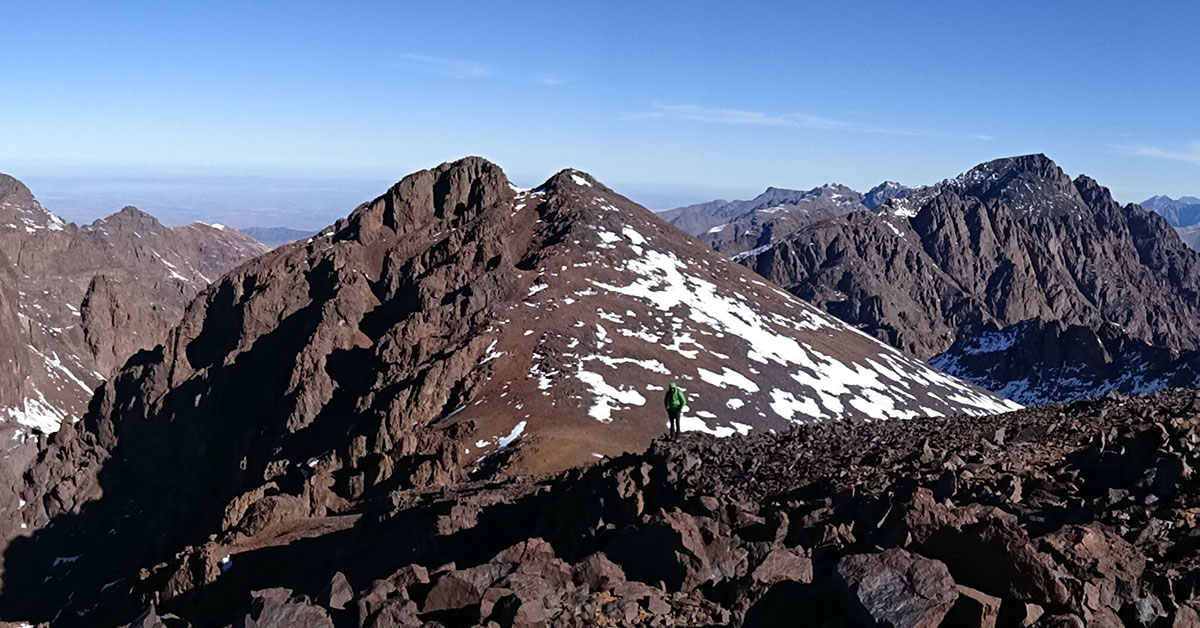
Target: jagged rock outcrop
[
  {"x": 455, "y": 328},
  {"x": 76, "y": 302},
  {"x": 1011, "y": 240}
]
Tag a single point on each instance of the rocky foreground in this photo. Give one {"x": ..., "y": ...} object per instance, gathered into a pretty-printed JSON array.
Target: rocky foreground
[{"x": 1071, "y": 515}]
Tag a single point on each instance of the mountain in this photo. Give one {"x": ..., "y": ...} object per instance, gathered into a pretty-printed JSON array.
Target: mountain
[
  {"x": 275, "y": 236},
  {"x": 768, "y": 217},
  {"x": 76, "y": 302},
  {"x": 743, "y": 228},
  {"x": 1182, "y": 213},
  {"x": 454, "y": 329},
  {"x": 884, "y": 192},
  {"x": 705, "y": 217},
  {"x": 1009, "y": 241}
]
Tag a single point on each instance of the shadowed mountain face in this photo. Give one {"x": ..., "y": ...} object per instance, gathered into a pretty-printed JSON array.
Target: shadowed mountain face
[
  {"x": 77, "y": 302},
  {"x": 1039, "y": 362},
  {"x": 454, "y": 328}
]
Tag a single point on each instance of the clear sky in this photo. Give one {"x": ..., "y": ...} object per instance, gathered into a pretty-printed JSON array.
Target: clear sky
[{"x": 664, "y": 101}]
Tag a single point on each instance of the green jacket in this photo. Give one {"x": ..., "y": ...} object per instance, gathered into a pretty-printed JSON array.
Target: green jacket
[{"x": 674, "y": 399}]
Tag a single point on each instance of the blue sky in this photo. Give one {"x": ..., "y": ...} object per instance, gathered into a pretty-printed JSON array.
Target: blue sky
[{"x": 667, "y": 102}]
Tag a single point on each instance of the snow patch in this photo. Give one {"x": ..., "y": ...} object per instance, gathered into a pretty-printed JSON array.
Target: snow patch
[{"x": 729, "y": 377}]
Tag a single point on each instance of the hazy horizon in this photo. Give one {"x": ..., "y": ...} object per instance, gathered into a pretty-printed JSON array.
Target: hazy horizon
[
  {"x": 668, "y": 103},
  {"x": 306, "y": 202}
]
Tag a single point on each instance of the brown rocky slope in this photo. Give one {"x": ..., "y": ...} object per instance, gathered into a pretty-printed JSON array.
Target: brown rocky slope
[
  {"x": 1077, "y": 515},
  {"x": 452, "y": 329}
]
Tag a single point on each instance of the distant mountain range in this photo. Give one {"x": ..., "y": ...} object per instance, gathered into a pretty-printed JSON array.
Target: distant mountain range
[
  {"x": 938, "y": 270},
  {"x": 275, "y": 236},
  {"x": 748, "y": 224},
  {"x": 1183, "y": 214}
]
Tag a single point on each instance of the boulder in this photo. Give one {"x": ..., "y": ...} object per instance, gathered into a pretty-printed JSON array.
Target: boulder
[
  {"x": 1109, "y": 568},
  {"x": 598, "y": 573},
  {"x": 338, "y": 593},
  {"x": 895, "y": 588},
  {"x": 277, "y": 607},
  {"x": 783, "y": 564},
  {"x": 972, "y": 609},
  {"x": 453, "y": 590}
]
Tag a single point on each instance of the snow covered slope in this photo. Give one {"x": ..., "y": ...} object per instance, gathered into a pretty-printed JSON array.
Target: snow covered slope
[{"x": 632, "y": 304}]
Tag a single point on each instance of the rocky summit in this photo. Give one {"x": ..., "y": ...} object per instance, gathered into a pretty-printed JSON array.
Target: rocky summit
[{"x": 454, "y": 330}]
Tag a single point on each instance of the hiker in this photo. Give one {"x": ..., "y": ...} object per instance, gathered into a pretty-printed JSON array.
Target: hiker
[{"x": 674, "y": 401}]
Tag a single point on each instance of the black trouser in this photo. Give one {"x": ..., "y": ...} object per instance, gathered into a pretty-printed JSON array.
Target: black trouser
[{"x": 673, "y": 415}]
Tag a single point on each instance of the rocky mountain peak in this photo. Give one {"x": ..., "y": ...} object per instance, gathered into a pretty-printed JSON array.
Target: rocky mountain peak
[
  {"x": 836, "y": 190},
  {"x": 439, "y": 198},
  {"x": 12, "y": 190},
  {"x": 1028, "y": 184},
  {"x": 20, "y": 211},
  {"x": 884, "y": 192},
  {"x": 128, "y": 217},
  {"x": 1009, "y": 240}
]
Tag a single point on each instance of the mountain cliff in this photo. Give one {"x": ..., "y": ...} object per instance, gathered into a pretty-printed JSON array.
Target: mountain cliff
[
  {"x": 1039, "y": 362},
  {"x": 455, "y": 328}
]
